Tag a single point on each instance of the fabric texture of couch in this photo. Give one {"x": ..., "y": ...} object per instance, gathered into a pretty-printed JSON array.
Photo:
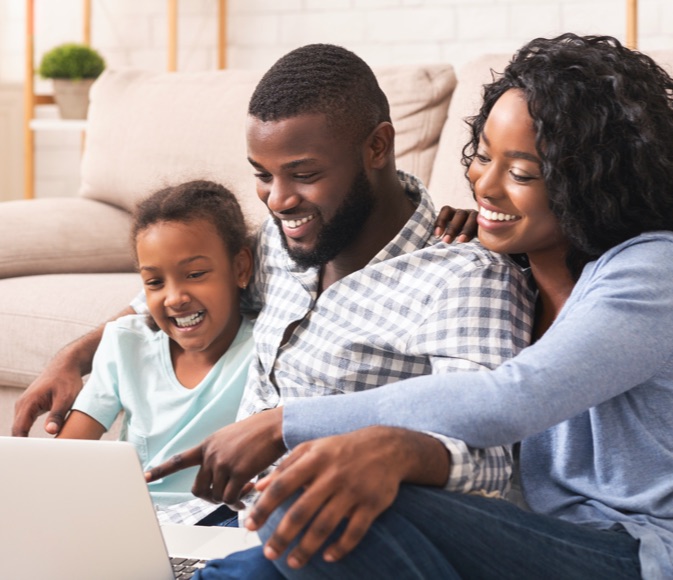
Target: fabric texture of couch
[{"x": 66, "y": 264}]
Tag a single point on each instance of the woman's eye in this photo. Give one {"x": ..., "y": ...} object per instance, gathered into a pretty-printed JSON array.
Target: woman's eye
[
  {"x": 521, "y": 178},
  {"x": 482, "y": 158}
]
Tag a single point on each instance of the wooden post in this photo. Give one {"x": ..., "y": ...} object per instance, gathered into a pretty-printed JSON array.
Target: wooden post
[
  {"x": 86, "y": 22},
  {"x": 222, "y": 34},
  {"x": 172, "y": 35},
  {"x": 632, "y": 24},
  {"x": 29, "y": 106}
]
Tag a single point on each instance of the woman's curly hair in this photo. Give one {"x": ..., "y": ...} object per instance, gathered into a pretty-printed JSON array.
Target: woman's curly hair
[{"x": 603, "y": 116}]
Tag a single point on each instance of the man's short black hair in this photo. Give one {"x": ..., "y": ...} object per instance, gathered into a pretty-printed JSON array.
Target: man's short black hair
[{"x": 322, "y": 79}]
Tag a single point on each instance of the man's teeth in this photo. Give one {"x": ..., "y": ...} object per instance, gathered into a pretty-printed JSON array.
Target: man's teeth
[
  {"x": 293, "y": 224},
  {"x": 191, "y": 320},
  {"x": 496, "y": 216}
]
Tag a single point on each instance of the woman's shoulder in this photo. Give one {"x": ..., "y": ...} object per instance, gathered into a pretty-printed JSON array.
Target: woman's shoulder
[{"x": 656, "y": 246}]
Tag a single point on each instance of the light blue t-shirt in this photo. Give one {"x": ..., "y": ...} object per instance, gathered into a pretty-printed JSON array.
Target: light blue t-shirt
[{"x": 133, "y": 372}]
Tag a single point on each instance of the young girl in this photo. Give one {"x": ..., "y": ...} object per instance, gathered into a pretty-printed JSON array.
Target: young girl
[
  {"x": 178, "y": 374},
  {"x": 571, "y": 163}
]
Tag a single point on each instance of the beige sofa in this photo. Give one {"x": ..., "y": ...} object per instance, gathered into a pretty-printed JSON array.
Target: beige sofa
[{"x": 65, "y": 264}]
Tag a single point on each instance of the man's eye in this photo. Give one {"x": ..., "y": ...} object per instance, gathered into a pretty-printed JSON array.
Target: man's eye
[
  {"x": 304, "y": 176},
  {"x": 263, "y": 177}
]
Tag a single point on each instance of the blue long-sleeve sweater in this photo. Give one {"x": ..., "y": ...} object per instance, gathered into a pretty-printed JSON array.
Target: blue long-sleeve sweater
[{"x": 592, "y": 402}]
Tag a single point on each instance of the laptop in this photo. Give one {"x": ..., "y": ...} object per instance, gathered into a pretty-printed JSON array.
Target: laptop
[{"x": 72, "y": 509}]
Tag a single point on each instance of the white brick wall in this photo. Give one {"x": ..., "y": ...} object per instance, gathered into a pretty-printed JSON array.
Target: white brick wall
[{"x": 133, "y": 33}]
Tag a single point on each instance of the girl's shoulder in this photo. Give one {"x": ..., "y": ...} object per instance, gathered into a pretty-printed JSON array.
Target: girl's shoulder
[{"x": 132, "y": 325}]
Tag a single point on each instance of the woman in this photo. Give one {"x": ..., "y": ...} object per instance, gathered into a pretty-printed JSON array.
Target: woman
[{"x": 571, "y": 164}]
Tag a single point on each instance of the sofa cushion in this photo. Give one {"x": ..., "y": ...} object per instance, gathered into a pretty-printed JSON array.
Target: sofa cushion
[
  {"x": 46, "y": 236},
  {"x": 448, "y": 184},
  {"x": 41, "y": 314},
  {"x": 150, "y": 130}
]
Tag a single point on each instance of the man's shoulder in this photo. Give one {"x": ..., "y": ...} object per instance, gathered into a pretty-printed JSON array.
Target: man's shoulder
[{"x": 465, "y": 257}]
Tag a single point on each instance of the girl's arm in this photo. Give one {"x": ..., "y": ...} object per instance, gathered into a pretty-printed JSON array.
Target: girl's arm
[{"x": 79, "y": 425}]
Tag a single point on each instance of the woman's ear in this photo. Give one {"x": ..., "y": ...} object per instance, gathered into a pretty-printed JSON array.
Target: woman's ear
[
  {"x": 243, "y": 267},
  {"x": 380, "y": 145}
]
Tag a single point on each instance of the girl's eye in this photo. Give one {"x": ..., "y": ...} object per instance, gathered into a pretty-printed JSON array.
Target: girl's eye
[
  {"x": 153, "y": 283},
  {"x": 195, "y": 274}
]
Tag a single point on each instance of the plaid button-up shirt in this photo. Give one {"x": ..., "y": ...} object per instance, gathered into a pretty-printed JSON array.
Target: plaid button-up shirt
[{"x": 417, "y": 308}]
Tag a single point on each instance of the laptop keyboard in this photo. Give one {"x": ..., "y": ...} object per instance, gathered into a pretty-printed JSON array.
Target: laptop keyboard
[{"x": 184, "y": 568}]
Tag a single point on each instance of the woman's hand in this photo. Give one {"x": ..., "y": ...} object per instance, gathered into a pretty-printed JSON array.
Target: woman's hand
[
  {"x": 355, "y": 476},
  {"x": 456, "y": 224},
  {"x": 229, "y": 458}
]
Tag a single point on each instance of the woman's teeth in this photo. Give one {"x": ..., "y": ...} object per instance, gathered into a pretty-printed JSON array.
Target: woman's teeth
[
  {"x": 293, "y": 224},
  {"x": 496, "y": 216},
  {"x": 191, "y": 320}
]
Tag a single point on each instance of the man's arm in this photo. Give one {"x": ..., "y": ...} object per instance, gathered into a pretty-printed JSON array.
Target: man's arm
[
  {"x": 58, "y": 385},
  {"x": 355, "y": 476}
]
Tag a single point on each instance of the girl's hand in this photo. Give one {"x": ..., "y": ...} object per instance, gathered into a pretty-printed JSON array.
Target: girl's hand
[
  {"x": 355, "y": 476},
  {"x": 456, "y": 224}
]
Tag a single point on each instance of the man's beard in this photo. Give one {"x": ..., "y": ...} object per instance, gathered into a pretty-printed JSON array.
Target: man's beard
[{"x": 341, "y": 230}]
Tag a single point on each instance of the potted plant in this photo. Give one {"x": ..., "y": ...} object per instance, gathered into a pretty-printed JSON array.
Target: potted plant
[{"x": 73, "y": 68}]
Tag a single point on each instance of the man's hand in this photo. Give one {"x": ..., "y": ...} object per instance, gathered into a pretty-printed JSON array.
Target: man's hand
[
  {"x": 54, "y": 390},
  {"x": 355, "y": 476},
  {"x": 230, "y": 457},
  {"x": 456, "y": 224},
  {"x": 58, "y": 385}
]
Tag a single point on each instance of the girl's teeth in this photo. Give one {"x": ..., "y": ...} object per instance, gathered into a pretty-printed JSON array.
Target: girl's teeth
[
  {"x": 496, "y": 216},
  {"x": 191, "y": 320},
  {"x": 292, "y": 224}
]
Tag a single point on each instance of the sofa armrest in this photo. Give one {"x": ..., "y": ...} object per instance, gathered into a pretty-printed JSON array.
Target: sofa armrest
[{"x": 63, "y": 235}]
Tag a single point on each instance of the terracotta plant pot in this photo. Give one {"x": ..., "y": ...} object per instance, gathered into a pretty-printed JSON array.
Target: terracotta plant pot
[{"x": 72, "y": 97}]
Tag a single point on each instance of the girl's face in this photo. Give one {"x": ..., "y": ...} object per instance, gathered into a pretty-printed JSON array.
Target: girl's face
[
  {"x": 514, "y": 215},
  {"x": 192, "y": 284}
]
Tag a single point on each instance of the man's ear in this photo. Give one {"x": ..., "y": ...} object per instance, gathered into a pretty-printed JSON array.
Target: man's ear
[{"x": 381, "y": 145}]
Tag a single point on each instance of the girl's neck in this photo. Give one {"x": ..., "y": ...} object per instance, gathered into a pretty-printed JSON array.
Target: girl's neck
[
  {"x": 554, "y": 283},
  {"x": 191, "y": 367}
]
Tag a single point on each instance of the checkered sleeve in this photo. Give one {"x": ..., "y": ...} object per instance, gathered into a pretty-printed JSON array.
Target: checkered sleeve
[
  {"x": 491, "y": 309},
  {"x": 476, "y": 470}
]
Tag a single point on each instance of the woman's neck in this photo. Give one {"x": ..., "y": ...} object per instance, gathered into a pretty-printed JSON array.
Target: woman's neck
[{"x": 554, "y": 283}]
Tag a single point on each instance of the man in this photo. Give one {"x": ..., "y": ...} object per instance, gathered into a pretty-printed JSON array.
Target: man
[{"x": 353, "y": 293}]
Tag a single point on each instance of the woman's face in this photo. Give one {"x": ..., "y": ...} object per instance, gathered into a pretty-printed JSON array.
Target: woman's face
[{"x": 514, "y": 215}]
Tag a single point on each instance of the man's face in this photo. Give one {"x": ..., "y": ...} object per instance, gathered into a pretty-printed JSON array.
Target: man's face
[{"x": 314, "y": 183}]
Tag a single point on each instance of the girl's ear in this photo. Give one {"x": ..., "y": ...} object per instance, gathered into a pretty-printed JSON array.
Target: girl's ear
[{"x": 243, "y": 267}]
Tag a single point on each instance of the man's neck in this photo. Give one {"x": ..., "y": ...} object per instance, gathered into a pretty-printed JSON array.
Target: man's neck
[{"x": 392, "y": 211}]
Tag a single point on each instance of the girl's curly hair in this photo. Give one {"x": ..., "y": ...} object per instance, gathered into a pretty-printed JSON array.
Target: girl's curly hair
[{"x": 603, "y": 116}]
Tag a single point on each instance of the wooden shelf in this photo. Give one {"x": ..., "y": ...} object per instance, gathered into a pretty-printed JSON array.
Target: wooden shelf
[
  {"x": 57, "y": 124},
  {"x": 32, "y": 100}
]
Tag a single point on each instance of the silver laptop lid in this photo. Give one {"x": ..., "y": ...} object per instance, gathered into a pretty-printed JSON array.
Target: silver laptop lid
[{"x": 74, "y": 509}]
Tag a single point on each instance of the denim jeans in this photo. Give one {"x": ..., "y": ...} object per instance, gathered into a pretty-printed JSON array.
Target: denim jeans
[{"x": 432, "y": 534}]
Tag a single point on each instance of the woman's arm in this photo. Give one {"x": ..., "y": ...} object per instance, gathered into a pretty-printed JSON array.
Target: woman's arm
[{"x": 615, "y": 332}]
